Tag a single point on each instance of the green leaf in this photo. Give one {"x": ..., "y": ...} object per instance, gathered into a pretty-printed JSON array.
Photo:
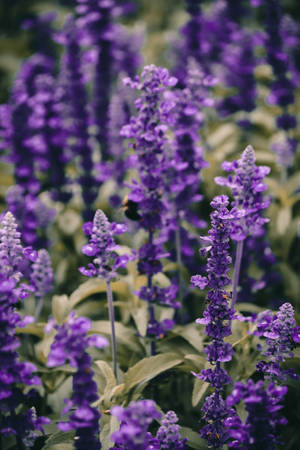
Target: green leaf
[
  {"x": 197, "y": 361},
  {"x": 193, "y": 439},
  {"x": 149, "y": 368},
  {"x": 106, "y": 380},
  {"x": 92, "y": 286},
  {"x": 125, "y": 335},
  {"x": 60, "y": 308},
  {"x": 36, "y": 329},
  {"x": 109, "y": 424},
  {"x": 59, "y": 441},
  {"x": 191, "y": 334},
  {"x": 199, "y": 390},
  {"x": 291, "y": 281},
  {"x": 283, "y": 219}
]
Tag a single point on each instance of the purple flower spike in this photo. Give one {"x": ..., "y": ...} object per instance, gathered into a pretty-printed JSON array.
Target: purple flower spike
[
  {"x": 281, "y": 334},
  {"x": 135, "y": 421},
  {"x": 260, "y": 428},
  {"x": 247, "y": 185},
  {"x": 101, "y": 246},
  {"x": 70, "y": 344},
  {"x": 168, "y": 433},
  {"x": 217, "y": 318},
  {"x": 11, "y": 250},
  {"x": 13, "y": 372},
  {"x": 42, "y": 274}
]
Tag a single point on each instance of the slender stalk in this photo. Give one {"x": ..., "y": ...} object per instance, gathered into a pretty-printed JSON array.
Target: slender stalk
[
  {"x": 236, "y": 273},
  {"x": 179, "y": 261},
  {"x": 113, "y": 332},
  {"x": 151, "y": 307},
  {"x": 38, "y": 309}
]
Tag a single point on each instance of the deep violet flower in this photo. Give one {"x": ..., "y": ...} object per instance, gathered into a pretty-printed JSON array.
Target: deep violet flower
[
  {"x": 106, "y": 262},
  {"x": 260, "y": 428},
  {"x": 281, "y": 335},
  {"x": 70, "y": 345},
  {"x": 247, "y": 185},
  {"x": 148, "y": 129},
  {"x": 135, "y": 420},
  {"x": 102, "y": 248},
  {"x": 13, "y": 372},
  {"x": 283, "y": 86},
  {"x": 168, "y": 433},
  {"x": 17, "y": 128},
  {"x": 41, "y": 278},
  {"x": 32, "y": 214},
  {"x": 98, "y": 29},
  {"x": 216, "y": 318},
  {"x": 74, "y": 105}
]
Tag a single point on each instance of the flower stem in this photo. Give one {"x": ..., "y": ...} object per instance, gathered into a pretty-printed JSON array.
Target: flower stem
[
  {"x": 112, "y": 322},
  {"x": 179, "y": 261},
  {"x": 236, "y": 273},
  {"x": 38, "y": 308},
  {"x": 151, "y": 307}
]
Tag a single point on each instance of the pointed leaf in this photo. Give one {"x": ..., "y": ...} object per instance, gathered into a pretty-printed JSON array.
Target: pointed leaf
[
  {"x": 149, "y": 368},
  {"x": 199, "y": 390}
]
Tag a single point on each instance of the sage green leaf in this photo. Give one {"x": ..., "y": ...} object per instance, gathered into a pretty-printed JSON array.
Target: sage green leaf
[
  {"x": 149, "y": 368},
  {"x": 106, "y": 380},
  {"x": 36, "y": 329},
  {"x": 109, "y": 424},
  {"x": 283, "y": 219},
  {"x": 193, "y": 439},
  {"x": 199, "y": 390},
  {"x": 191, "y": 334},
  {"x": 59, "y": 441},
  {"x": 60, "y": 308},
  {"x": 125, "y": 335}
]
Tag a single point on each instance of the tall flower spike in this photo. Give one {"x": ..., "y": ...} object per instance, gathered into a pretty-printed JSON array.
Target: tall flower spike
[
  {"x": 216, "y": 318},
  {"x": 105, "y": 263},
  {"x": 260, "y": 429},
  {"x": 11, "y": 250},
  {"x": 281, "y": 335},
  {"x": 13, "y": 372},
  {"x": 70, "y": 344},
  {"x": 135, "y": 420},
  {"x": 247, "y": 185},
  {"x": 75, "y": 108},
  {"x": 32, "y": 215},
  {"x": 168, "y": 433},
  {"x": 42, "y": 278}
]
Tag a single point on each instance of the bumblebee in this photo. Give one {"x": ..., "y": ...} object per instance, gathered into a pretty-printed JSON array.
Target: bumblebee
[{"x": 130, "y": 209}]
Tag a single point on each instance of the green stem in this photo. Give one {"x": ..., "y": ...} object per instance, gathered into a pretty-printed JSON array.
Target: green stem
[
  {"x": 38, "y": 308},
  {"x": 236, "y": 273},
  {"x": 113, "y": 332},
  {"x": 179, "y": 261}
]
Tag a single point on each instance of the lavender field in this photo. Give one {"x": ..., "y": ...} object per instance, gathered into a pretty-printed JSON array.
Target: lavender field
[{"x": 150, "y": 225}]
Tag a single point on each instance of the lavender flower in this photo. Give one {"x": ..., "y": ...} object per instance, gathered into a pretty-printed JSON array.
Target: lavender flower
[
  {"x": 168, "y": 433},
  {"x": 70, "y": 344},
  {"x": 281, "y": 334},
  {"x": 19, "y": 129},
  {"x": 14, "y": 373},
  {"x": 96, "y": 21},
  {"x": 102, "y": 247},
  {"x": 135, "y": 421},
  {"x": 33, "y": 216},
  {"x": 105, "y": 262},
  {"x": 76, "y": 112},
  {"x": 260, "y": 429},
  {"x": 282, "y": 88},
  {"x": 41, "y": 278},
  {"x": 148, "y": 129},
  {"x": 247, "y": 186},
  {"x": 217, "y": 318}
]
